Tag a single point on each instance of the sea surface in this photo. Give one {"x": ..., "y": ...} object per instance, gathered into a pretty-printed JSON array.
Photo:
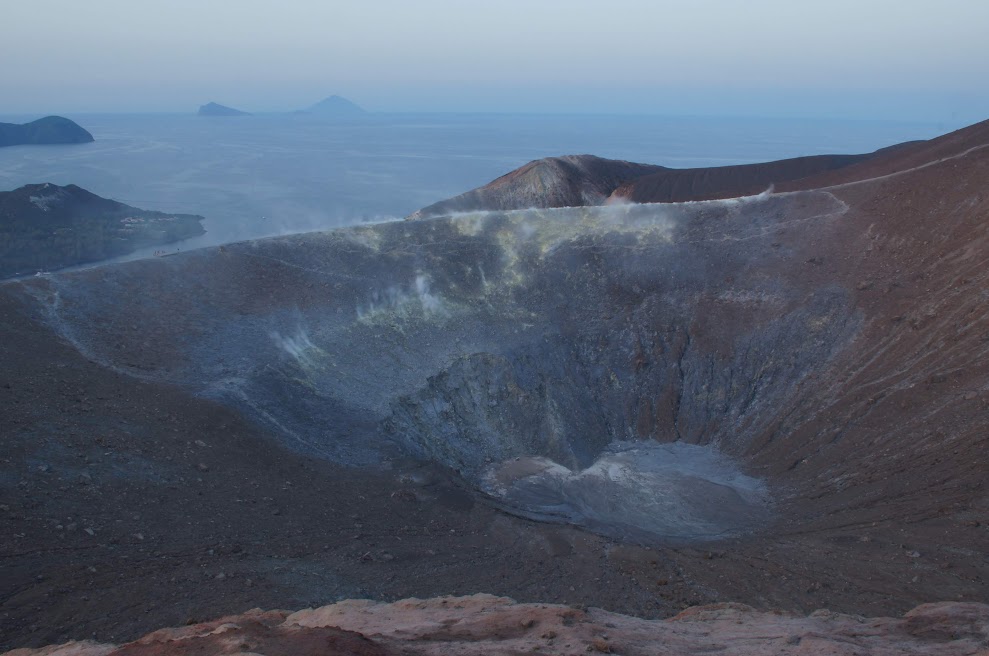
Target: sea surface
[{"x": 264, "y": 175}]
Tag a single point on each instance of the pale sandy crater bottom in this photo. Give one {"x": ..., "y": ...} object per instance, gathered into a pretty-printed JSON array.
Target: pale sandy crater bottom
[{"x": 637, "y": 489}]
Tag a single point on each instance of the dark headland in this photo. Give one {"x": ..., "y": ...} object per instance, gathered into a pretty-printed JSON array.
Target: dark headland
[
  {"x": 215, "y": 109},
  {"x": 45, "y": 227},
  {"x": 45, "y": 131}
]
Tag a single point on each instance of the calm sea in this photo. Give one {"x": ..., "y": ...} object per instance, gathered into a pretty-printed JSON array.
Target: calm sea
[{"x": 275, "y": 174}]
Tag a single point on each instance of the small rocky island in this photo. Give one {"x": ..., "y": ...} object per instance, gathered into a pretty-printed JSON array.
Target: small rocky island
[
  {"x": 337, "y": 107},
  {"x": 215, "y": 109},
  {"x": 45, "y": 131},
  {"x": 45, "y": 227}
]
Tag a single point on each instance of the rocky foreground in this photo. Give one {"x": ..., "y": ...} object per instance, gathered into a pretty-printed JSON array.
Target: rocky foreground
[{"x": 485, "y": 624}]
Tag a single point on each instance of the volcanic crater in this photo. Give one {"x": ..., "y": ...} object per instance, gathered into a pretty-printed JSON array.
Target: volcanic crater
[
  {"x": 807, "y": 367},
  {"x": 544, "y": 356}
]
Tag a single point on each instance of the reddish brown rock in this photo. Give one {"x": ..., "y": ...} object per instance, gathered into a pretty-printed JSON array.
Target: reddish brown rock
[
  {"x": 484, "y": 624},
  {"x": 580, "y": 180},
  {"x": 568, "y": 181}
]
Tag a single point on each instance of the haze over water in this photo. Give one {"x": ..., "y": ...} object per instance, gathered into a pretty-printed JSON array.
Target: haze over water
[{"x": 274, "y": 174}]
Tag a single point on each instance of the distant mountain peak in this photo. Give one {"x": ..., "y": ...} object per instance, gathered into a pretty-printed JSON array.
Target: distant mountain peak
[
  {"x": 337, "y": 106},
  {"x": 216, "y": 109}
]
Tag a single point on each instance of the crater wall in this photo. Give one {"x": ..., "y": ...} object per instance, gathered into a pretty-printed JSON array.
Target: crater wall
[{"x": 471, "y": 340}]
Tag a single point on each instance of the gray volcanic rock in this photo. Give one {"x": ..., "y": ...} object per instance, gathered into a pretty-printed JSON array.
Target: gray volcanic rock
[
  {"x": 568, "y": 181},
  {"x": 45, "y": 227},
  {"x": 336, "y": 106},
  {"x": 213, "y": 109},
  {"x": 484, "y": 322},
  {"x": 484, "y": 624},
  {"x": 48, "y": 130}
]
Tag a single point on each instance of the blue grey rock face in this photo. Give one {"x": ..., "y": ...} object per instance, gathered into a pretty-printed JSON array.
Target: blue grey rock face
[{"x": 475, "y": 340}]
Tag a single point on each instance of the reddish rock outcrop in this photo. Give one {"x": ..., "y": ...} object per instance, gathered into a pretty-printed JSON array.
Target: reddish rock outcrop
[
  {"x": 484, "y": 624},
  {"x": 581, "y": 180}
]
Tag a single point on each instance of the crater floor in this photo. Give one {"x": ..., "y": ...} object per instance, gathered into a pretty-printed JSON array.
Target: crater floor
[{"x": 637, "y": 490}]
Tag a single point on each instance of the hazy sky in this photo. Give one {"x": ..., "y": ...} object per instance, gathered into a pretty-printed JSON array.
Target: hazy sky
[{"x": 905, "y": 59}]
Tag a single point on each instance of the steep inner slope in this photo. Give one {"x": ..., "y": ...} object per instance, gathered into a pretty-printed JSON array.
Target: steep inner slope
[{"x": 476, "y": 341}]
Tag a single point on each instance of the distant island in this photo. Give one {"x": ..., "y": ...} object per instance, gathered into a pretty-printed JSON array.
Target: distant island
[
  {"x": 45, "y": 131},
  {"x": 215, "y": 109},
  {"x": 45, "y": 227},
  {"x": 337, "y": 106}
]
